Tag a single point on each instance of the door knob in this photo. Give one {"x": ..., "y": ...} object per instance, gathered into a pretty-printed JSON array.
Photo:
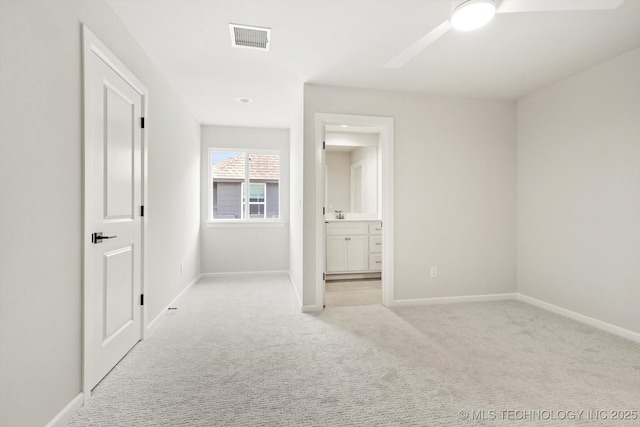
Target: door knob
[{"x": 98, "y": 237}]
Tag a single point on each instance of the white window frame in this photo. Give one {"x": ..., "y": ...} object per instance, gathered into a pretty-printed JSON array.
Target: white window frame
[{"x": 243, "y": 221}]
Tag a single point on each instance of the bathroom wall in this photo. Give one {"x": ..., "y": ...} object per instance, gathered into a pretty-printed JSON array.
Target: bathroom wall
[
  {"x": 371, "y": 185},
  {"x": 338, "y": 175}
]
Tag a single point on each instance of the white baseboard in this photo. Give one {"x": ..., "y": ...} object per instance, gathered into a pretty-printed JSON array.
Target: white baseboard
[
  {"x": 452, "y": 300},
  {"x": 616, "y": 330},
  {"x": 67, "y": 412},
  {"x": 246, "y": 273},
  {"x": 155, "y": 321},
  {"x": 608, "y": 327}
]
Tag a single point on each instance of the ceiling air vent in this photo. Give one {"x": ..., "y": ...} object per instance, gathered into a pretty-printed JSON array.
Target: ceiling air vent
[{"x": 251, "y": 37}]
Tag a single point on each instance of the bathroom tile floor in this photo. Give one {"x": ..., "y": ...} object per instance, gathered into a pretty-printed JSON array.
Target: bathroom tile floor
[{"x": 353, "y": 292}]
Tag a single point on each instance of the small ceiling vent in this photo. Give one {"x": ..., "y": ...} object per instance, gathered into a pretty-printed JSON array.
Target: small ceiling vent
[{"x": 251, "y": 37}]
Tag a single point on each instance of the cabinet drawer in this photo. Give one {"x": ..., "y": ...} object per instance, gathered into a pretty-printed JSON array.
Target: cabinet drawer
[
  {"x": 375, "y": 244},
  {"x": 375, "y": 229},
  {"x": 375, "y": 262},
  {"x": 346, "y": 229}
]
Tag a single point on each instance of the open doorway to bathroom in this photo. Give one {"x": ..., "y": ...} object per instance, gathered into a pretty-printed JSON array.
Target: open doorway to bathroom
[{"x": 355, "y": 228}]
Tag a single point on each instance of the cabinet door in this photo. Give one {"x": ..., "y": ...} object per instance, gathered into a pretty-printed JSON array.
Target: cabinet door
[
  {"x": 336, "y": 254},
  {"x": 358, "y": 253}
]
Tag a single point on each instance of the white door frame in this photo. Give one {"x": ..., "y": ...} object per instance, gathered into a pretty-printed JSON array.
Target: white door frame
[
  {"x": 387, "y": 205},
  {"x": 91, "y": 45}
]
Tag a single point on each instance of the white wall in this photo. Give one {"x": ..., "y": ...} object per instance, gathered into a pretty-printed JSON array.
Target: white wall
[
  {"x": 338, "y": 181},
  {"x": 41, "y": 190},
  {"x": 579, "y": 193},
  {"x": 455, "y": 189},
  {"x": 251, "y": 247},
  {"x": 296, "y": 255}
]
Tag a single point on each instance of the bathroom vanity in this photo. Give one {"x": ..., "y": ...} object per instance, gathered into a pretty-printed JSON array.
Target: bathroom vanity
[{"x": 353, "y": 246}]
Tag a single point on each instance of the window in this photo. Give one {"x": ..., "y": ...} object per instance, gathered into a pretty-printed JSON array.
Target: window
[
  {"x": 256, "y": 200},
  {"x": 236, "y": 176}
]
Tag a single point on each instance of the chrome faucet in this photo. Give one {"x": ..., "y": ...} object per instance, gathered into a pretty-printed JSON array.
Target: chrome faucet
[{"x": 339, "y": 214}]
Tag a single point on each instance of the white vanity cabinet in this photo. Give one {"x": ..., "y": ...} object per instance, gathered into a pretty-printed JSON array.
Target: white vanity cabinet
[
  {"x": 347, "y": 253},
  {"x": 351, "y": 245},
  {"x": 375, "y": 247}
]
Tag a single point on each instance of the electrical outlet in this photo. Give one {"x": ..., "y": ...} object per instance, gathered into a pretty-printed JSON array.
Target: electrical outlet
[{"x": 434, "y": 272}]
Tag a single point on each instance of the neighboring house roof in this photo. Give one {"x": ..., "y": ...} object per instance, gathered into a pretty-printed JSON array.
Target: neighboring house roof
[{"x": 262, "y": 167}]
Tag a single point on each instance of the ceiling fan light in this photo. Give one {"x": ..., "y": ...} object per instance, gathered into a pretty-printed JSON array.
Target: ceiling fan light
[{"x": 472, "y": 14}]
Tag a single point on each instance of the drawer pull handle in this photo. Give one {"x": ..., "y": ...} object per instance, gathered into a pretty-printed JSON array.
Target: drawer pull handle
[{"x": 378, "y": 244}]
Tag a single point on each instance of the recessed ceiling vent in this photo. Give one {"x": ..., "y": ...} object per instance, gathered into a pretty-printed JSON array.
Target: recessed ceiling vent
[{"x": 251, "y": 37}]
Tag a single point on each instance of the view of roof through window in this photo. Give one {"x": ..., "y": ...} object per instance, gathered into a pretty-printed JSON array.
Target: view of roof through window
[{"x": 229, "y": 173}]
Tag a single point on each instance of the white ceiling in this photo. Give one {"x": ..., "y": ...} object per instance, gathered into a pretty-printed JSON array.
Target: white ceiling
[{"x": 346, "y": 43}]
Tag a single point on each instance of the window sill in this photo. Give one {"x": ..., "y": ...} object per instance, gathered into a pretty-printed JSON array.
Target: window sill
[{"x": 230, "y": 223}]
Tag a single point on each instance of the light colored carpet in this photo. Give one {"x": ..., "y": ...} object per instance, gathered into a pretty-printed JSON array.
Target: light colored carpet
[
  {"x": 238, "y": 352},
  {"x": 353, "y": 292}
]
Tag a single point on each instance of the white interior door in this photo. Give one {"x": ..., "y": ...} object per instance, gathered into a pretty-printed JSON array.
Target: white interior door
[{"x": 113, "y": 197}]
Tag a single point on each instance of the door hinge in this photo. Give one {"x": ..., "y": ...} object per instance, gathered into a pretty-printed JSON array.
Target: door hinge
[
  {"x": 323, "y": 211},
  {"x": 141, "y": 210},
  {"x": 141, "y": 299},
  {"x": 324, "y": 276},
  {"x": 324, "y": 145},
  {"x": 142, "y": 122}
]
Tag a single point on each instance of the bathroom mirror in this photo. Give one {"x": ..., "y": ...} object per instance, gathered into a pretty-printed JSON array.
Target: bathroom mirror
[{"x": 352, "y": 173}]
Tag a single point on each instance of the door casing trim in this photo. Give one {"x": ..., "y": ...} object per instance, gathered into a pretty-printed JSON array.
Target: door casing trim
[{"x": 386, "y": 141}]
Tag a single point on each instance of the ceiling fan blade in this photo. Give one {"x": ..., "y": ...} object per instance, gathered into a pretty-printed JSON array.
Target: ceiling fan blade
[
  {"x": 517, "y": 6},
  {"x": 409, "y": 53}
]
